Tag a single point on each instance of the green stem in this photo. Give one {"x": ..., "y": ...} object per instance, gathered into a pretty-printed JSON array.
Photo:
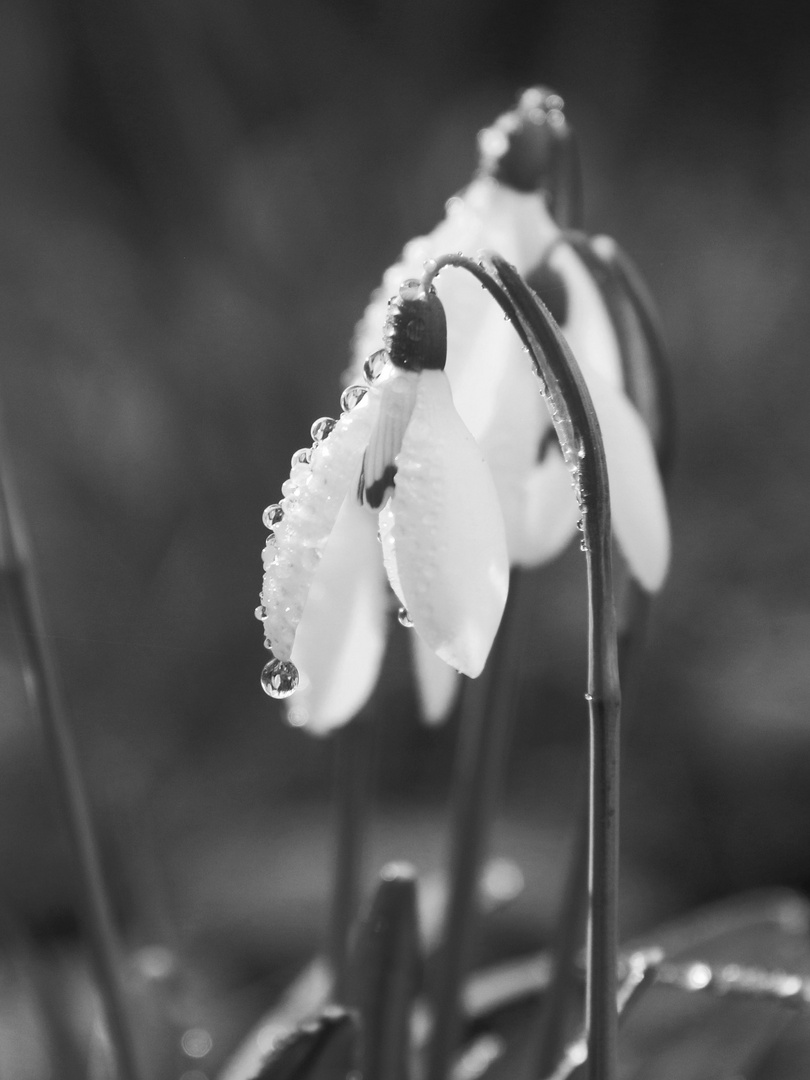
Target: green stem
[
  {"x": 44, "y": 691},
  {"x": 354, "y": 758},
  {"x": 577, "y": 428},
  {"x": 549, "y": 1035},
  {"x": 484, "y": 729}
]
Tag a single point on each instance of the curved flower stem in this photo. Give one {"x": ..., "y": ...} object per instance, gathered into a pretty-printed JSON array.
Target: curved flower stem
[
  {"x": 648, "y": 385},
  {"x": 44, "y": 693},
  {"x": 354, "y": 762},
  {"x": 484, "y": 731},
  {"x": 577, "y": 429}
]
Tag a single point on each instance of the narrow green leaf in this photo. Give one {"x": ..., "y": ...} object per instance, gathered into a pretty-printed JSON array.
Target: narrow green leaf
[
  {"x": 384, "y": 974},
  {"x": 325, "y": 1048}
]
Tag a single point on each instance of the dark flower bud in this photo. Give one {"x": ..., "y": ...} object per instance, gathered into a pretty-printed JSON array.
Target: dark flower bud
[
  {"x": 532, "y": 148},
  {"x": 416, "y": 329}
]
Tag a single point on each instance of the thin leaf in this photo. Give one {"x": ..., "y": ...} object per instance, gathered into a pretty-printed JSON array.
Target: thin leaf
[
  {"x": 385, "y": 974},
  {"x": 325, "y": 1048}
]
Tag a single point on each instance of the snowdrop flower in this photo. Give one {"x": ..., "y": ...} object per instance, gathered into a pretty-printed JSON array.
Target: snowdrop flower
[
  {"x": 400, "y": 457},
  {"x": 509, "y": 208}
]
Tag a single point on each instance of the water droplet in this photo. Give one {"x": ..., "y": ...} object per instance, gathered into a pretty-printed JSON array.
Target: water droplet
[
  {"x": 272, "y": 515},
  {"x": 352, "y": 396},
  {"x": 589, "y": 697},
  {"x": 581, "y": 453},
  {"x": 196, "y": 1042},
  {"x": 322, "y": 428},
  {"x": 375, "y": 365},
  {"x": 301, "y": 457},
  {"x": 698, "y": 976},
  {"x": 404, "y": 619},
  {"x": 410, "y": 289},
  {"x": 279, "y": 678},
  {"x": 260, "y": 613}
]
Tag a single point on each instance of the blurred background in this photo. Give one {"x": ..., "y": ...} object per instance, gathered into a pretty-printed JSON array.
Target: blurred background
[{"x": 195, "y": 203}]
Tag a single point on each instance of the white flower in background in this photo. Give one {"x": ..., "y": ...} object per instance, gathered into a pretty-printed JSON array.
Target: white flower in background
[
  {"x": 399, "y": 460},
  {"x": 339, "y": 645}
]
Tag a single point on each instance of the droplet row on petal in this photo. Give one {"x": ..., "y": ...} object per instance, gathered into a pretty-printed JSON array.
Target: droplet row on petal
[{"x": 304, "y": 519}]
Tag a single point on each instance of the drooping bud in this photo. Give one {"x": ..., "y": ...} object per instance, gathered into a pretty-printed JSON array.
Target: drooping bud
[
  {"x": 416, "y": 329},
  {"x": 532, "y": 148}
]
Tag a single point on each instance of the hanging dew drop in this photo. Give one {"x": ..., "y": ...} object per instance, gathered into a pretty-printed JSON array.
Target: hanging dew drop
[
  {"x": 272, "y": 515},
  {"x": 352, "y": 396},
  {"x": 322, "y": 428},
  {"x": 375, "y": 365},
  {"x": 279, "y": 678},
  {"x": 301, "y": 457},
  {"x": 404, "y": 619},
  {"x": 260, "y": 613}
]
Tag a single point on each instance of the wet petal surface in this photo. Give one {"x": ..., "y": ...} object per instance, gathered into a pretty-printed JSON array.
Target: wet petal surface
[{"x": 443, "y": 537}]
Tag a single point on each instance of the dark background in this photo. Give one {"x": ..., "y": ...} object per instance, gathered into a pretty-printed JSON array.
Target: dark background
[{"x": 195, "y": 202}]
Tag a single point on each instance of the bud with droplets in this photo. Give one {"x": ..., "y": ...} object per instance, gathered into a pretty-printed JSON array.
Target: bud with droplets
[{"x": 532, "y": 148}]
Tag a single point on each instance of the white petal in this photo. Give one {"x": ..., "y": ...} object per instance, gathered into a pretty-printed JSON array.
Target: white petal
[
  {"x": 550, "y": 512},
  {"x": 498, "y": 398},
  {"x": 638, "y": 505},
  {"x": 447, "y": 543},
  {"x": 588, "y": 327},
  {"x": 340, "y": 640},
  {"x": 313, "y": 497},
  {"x": 436, "y": 682}
]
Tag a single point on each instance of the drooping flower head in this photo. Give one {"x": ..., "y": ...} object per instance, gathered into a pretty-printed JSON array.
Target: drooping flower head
[
  {"x": 401, "y": 453},
  {"x": 525, "y": 192}
]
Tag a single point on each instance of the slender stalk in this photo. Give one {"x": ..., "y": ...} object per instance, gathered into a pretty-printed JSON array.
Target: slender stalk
[
  {"x": 578, "y": 432},
  {"x": 484, "y": 729},
  {"x": 354, "y": 758},
  {"x": 44, "y": 691},
  {"x": 647, "y": 384},
  {"x": 547, "y": 1042}
]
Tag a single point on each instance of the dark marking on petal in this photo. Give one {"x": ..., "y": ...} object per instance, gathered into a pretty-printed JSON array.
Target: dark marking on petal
[{"x": 375, "y": 495}]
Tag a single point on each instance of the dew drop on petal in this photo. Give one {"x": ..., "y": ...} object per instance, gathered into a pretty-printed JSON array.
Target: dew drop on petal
[
  {"x": 352, "y": 396},
  {"x": 272, "y": 515},
  {"x": 279, "y": 678},
  {"x": 301, "y": 457},
  {"x": 260, "y": 613},
  {"x": 375, "y": 365},
  {"x": 322, "y": 428},
  {"x": 404, "y": 619}
]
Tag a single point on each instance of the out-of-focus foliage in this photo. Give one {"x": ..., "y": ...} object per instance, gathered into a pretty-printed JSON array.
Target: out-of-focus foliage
[{"x": 195, "y": 200}]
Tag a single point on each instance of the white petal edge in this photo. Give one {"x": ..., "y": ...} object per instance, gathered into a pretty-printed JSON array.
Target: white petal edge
[
  {"x": 444, "y": 538},
  {"x": 340, "y": 640},
  {"x": 550, "y": 514},
  {"x": 437, "y": 684},
  {"x": 637, "y": 501},
  {"x": 588, "y": 327}
]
